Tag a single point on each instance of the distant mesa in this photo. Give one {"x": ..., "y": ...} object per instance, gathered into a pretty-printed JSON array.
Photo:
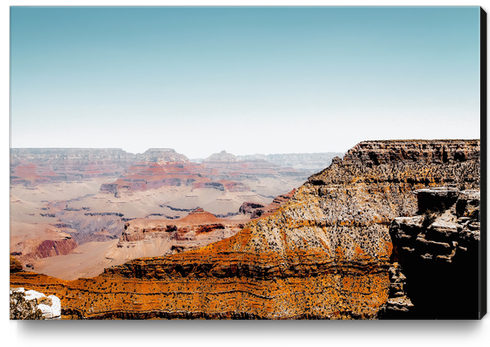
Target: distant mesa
[
  {"x": 70, "y": 153},
  {"x": 162, "y": 155},
  {"x": 34, "y": 166},
  {"x": 311, "y": 162},
  {"x": 222, "y": 171},
  {"x": 222, "y": 156}
]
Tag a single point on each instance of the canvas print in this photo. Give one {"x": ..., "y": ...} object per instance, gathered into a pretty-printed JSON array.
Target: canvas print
[{"x": 247, "y": 163}]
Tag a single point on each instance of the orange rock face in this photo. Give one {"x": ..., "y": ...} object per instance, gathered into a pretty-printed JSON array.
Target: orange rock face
[{"x": 324, "y": 254}]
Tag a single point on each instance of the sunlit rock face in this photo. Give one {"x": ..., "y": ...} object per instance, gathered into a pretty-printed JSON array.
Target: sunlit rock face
[{"x": 325, "y": 253}]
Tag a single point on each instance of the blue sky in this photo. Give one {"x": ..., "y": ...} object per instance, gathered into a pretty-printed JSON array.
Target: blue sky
[{"x": 248, "y": 80}]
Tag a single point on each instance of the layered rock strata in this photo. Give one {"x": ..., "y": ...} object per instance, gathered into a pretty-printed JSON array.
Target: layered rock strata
[
  {"x": 439, "y": 251},
  {"x": 33, "y": 166},
  {"x": 197, "y": 229},
  {"x": 312, "y": 162},
  {"x": 221, "y": 171},
  {"x": 324, "y": 254}
]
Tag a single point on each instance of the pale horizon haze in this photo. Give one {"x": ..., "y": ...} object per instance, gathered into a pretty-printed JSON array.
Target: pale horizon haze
[{"x": 245, "y": 80}]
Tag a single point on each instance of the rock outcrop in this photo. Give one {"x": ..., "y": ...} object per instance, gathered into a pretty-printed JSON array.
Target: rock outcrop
[
  {"x": 53, "y": 242},
  {"x": 153, "y": 175},
  {"x": 240, "y": 170},
  {"x": 15, "y": 265},
  {"x": 197, "y": 229},
  {"x": 157, "y": 155},
  {"x": 50, "y": 306},
  {"x": 256, "y": 210},
  {"x": 438, "y": 250},
  {"x": 324, "y": 254},
  {"x": 223, "y": 156}
]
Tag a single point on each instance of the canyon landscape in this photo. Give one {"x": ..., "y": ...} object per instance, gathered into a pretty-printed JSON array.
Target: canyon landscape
[
  {"x": 174, "y": 164},
  {"x": 76, "y": 211},
  {"x": 389, "y": 231}
]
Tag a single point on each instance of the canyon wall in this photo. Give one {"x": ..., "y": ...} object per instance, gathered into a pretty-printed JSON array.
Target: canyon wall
[
  {"x": 221, "y": 171},
  {"x": 32, "y": 166},
  {"x": 324, "y": 254}
]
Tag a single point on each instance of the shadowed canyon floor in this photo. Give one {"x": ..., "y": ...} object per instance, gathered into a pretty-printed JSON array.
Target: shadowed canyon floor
[{"x": 325, "y": 253}]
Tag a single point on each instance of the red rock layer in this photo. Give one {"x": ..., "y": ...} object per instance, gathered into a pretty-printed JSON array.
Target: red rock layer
[
  {"x": 49, "y": 244},
  {"x": 324, "y": 254},
  {"x": 152, "y": 175},
  {"x": 51, "y": 248}
]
